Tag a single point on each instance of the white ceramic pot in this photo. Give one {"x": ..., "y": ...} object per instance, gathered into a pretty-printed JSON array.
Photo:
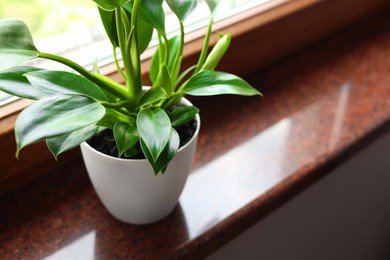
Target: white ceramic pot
[{"x": 129, "y": 189}]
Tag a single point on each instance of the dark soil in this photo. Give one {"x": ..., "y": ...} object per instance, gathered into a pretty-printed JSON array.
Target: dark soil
[{"x": 104, "y": 141}]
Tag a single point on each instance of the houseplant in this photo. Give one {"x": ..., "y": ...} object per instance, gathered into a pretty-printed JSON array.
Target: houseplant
[{"x": 73, "y": 107}]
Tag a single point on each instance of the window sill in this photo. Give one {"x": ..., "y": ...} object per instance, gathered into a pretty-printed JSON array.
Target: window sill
[
  {"x": 260, "y": 37},
  {"x": 321, "y": 107}
]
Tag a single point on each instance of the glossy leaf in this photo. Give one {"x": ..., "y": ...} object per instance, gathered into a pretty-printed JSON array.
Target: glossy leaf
[
  {"x": 14, "y": 82},
  {"x": 109, "y": 24},
  {"x": 16, "y": 44},
  {"x": 173, "y": 45},
  {"x": 154, "y": 94},
  {"x": 166, "y": 156},
  {"x": 52, "y": 82},
  {"x": 182, "y": 115},
  {"x": 210, "y": 83},
  {"x": 154, "y": 127},
  {"x": 144, "y": 30},
  {"x": 217, "y": 52},
  {"x": 55, "y": 116},
  {"x": 110, "y": 5},
  {"x": 126, "y": 136},
  {"x": 152, "y": 13},
  {"x": 69, "y": 141},
  {"x": 182, "y": 8}
]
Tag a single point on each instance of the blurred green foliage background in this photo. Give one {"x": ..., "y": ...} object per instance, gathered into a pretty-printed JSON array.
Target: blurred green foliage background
[{"x": 47, "y": 18}]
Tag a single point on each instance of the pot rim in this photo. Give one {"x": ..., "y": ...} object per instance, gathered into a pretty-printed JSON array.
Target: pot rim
[{"x": 184, "y": 101}]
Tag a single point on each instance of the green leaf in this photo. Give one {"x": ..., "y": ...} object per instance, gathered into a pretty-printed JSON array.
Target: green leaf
[
  {"x": 182, "y": 8},
  {"x": 154, "y": 94},
  {"x": 182, "y": 115},
  {"x": 69, "y": 141},
  {"x": 185, "y": 73},
  {"x": 126, "y": 136},
  {"x": 212, "y": 4},
  {"x": 166, "y": 156},
  {"x": 210, "y": 83},
  {"x": 174, "y": 46},
  {"x": 217, "y": 5},
  {"x": 133, "y": 151},
  {"x": 109, "y": 24},
  {"x": 144, "y": 30},
  {"x": 154, "y": 127},
  {"x": 110, "y": 5},
  {"x": 14, "y": 82},
  {"x": 152, "y": 13},
  {"x": 111, "y": 117},
  {"x": 217, "y": 52},
  {"x": 154, "y": 67},
  {"x": 61, "y": 82},
  {"x": 164, "y": 80},
  {"x": 16, "y": 44},
  {"x": 55, "y": 116}
]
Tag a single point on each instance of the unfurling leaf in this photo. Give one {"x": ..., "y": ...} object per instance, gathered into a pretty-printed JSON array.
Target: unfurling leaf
[{"x": 217, "y": 52}]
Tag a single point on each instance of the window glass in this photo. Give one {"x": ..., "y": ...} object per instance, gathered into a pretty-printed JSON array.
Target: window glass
[{"x": 72, "y": 28}]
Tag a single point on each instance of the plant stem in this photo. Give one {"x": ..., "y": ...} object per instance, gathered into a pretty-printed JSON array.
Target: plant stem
[
  {"x": 125, "y": 112},
  {"x": 205, "y": 48},
  {"x": 184, "y": 74},
  {"x": 122, "y": 42},
  {"x": 174, "y": 99},
  {"x": 161, "y": 51},
  {"x": 166, "y": 46},
  {"x": 117, "y": 65},
  {"x": 133, "y": 48},
  {"x": 114, "y": 105},
  {"x": 179, "y": 55},
  {"x": 111, "y": 87}
]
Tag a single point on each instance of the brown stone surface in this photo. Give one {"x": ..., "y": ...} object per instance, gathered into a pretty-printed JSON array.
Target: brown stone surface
[{"x": 320, "y": 107}]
